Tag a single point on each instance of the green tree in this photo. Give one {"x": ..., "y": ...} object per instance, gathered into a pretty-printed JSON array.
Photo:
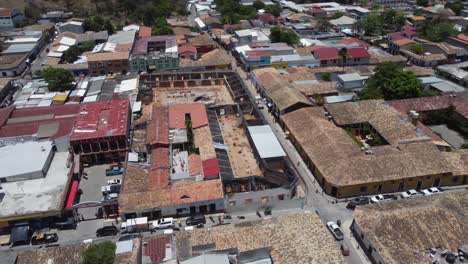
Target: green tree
[
  {"x": 394, "y": 19},
  {"x": 437, "y": 31},
  {"x": 371, "y": 25},
  {"x": 32, "y": 12},
  {"x": 456, "y": 6},
  {"x": 326, "y": 77},
  {"x": 161, "y": 27},
  {"x": 416, "y": 48},
  {"x": 71, "y": 54},
  {"x": 422, "y": 2},
  {"x": 390, "y": 82},
  {"x": 58, "y": 79},
  {"x": 97, "y": 23},
  {"x": 418, "y": 12},
  {"x": 337, "y": 15},
  {"x": 99, "y": 253},
  {"x": 232, "y": 11},
  {"x": 258, "y": 4},
  {"x": 275, "y": 9},
  {"x": 281, "y": 34}
]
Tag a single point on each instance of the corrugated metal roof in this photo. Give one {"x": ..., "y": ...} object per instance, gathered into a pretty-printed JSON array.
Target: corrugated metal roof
[{"x": 266, "y": 142}]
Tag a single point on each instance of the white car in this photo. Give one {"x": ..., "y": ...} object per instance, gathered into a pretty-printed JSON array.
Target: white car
[
  {"x": 382, "y": 197},
  {"x": 335, "y": 230},
  {"x": 113, "y": 181},
  {"x": 409, "y": 194},
  {"x": 431, "y": 191},
  {"x": 163, "y": 223}
]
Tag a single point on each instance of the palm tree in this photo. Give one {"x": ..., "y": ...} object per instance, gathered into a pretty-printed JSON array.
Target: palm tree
[{"x": 343, "y": 53}]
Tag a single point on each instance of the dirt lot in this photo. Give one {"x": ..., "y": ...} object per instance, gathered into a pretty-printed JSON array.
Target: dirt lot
[
  {"x": 242, "y": 159},
  {"x": 218, "y": 95}
]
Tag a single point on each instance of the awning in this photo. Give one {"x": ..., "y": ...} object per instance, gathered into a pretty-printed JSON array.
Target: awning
[{"x": 71, "y": 195}]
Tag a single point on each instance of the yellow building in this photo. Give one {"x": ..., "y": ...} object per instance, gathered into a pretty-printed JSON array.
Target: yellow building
[{"x": 367, "y": 147}]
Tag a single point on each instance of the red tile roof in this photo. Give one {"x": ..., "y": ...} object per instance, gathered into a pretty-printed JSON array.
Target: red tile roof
[
  {"x": 197, "y": 113},
  {"x": 57, "y": 110},
  {"x": 158, "y": 179},
  {"x": 5, "y": 12},
  {"x": 102, "y": 119},
  {"x": 195, "y": 165},
  {"x": 210, "y": 168},
  {"x": 326, "y": 53},
  {"x": 316, "y": 10},
  {"x": 258, "y": 53},
  {"x": 160, "y": 158},
  {"x": 433, "y": 103},
  {"x": 358, "y": 52},
  {"x": 408, "y": 30},
  {"x": 145, "y": 31},
  {"x": 157, "y": 131},
  {"x": 155, "y": 248},
  {"x": 351, "y": 40},
  {"x": 314, "y": 48},
  {"x": 231, "y": 26},
  {"x": 187, "y": 48},
  {"x": 395, "y": 36}
]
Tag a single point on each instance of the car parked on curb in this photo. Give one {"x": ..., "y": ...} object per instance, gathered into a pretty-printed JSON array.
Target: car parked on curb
[
  {"x": 44, "y": 238},
  {"x": 431, "y": 191},
  {"x": 113, "y": 182},
  {"x": 163, "y": 223},
  {"x": 357, "y": 201},
  {"x": 382, "y": 197},
  {"x": 335, "y": 230},
  {"x": 344, "y": 249},
  {"x": 107, "y": 231},
  {"x": 409, "y": 194},
  {"x": 197, "y": 219}
]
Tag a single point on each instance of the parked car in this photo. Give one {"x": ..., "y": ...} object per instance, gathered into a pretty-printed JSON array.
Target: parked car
[
  {"x": 116, "y": 170},
  {"x": 431, "y": 191},
  {"x": 357, "y": 201},
  {"x": 344, "y": 249},
  {"x": 195, "y": 220},
  {"x": 335, "y": 230},
  {"x": 113, "y": 181},
  {"x": 163, "y": 223},
  {"x": 110, "y": 196},
  {"x": 114, "y": 188},
  {"x": 409, "y": 194},
  {"x": 107, "y": 231},
  {"x": 44, "y": 238},
  {"x": 382, "y": 197}
]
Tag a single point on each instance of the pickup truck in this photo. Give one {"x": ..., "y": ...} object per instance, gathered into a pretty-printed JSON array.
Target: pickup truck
[{"x": 115, "y": 171}]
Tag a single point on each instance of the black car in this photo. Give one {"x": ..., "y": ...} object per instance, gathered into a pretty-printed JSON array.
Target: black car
[
  {"x": 129, "y": 237},
  {"x": 357, "y": 201},
  {"x": 44, "y": 238},
  {"x": 107, "y": 231},
  {"x": 197, "y": 219}
]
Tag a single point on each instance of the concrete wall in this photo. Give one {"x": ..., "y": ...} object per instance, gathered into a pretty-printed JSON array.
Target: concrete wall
[
  {"x": 181, "y": 209},
  {"x": 278, "y": 198},
  {"x": 366, "y": 245}
]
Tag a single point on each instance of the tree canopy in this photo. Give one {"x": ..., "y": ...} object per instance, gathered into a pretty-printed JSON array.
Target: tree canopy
[
  {"x": 161, "y": 27},
  {"x": 416, "y": 48},
  {"x": 456, "y": 6},
  {"x": 275, "y": 9},
  {"x": 391, "y": 82},
  {"x": 376, "y": 23},
  {"x": 97, "y": 23},
  {"x": 422, "y": 2},
  {"x": 282, "y": 34},
  {"x": 72, "y": 53},
  {"x": 437, "y": 31},
  {"x": 58, "y": 79},
  {"x": 258, "y": 4},
  {"x": 100, "y": 253},
  {"x": 232, "y": 11}
]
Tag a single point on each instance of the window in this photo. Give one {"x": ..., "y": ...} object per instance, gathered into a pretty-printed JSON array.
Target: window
[
  {"x": 248, "y": 201},
  {"x": 363, "y": 189},
  {"x": 281, "y": 197}
]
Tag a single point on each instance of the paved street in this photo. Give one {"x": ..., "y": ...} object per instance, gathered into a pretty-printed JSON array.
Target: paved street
[{"x": 316, "y": 200}]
